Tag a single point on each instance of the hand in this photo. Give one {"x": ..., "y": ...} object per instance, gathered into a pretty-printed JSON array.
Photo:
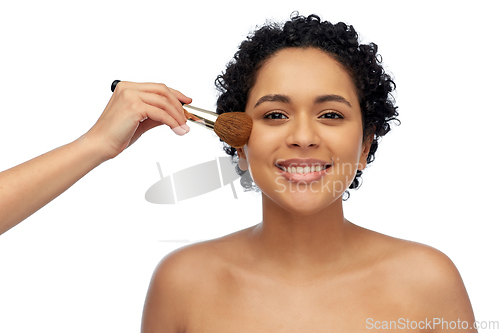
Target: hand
[{"x": 133, "y": 109}]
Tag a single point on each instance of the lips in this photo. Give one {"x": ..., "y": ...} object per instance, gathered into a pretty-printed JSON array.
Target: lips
[{"x": 302, "y": 170}]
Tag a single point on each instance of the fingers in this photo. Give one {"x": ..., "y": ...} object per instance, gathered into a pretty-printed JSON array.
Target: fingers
[
  {"x": 162, "y": 98},
  {"x": 181, "y": 97},
  {"x": 171, "y": 107},
  {"x": 159, "y": 89},
  {"x": 162, "y": 89},
  {"x": 159, "y": 115}
]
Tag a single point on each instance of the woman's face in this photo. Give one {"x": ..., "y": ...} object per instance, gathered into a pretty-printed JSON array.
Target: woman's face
[{"x": 306, "y": 117}]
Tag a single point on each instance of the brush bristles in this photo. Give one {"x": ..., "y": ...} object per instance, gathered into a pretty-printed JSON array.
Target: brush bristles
[{"x": 234, "y": 128}]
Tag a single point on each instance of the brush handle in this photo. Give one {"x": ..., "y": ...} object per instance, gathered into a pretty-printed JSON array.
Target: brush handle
[{"x": 201, "y": 117}]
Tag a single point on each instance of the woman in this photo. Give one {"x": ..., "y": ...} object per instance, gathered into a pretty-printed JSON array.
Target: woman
[{"x": 319, "y": 101}]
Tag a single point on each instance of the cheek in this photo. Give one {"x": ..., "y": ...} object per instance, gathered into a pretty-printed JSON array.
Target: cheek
[
  {"x": 262, "y": 142},
  {"x": 261, "y": 133},
  {"x": 345, "y": 145}
]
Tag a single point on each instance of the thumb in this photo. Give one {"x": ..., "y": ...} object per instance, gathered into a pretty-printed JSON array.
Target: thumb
[{"x": 143, "y": 127}]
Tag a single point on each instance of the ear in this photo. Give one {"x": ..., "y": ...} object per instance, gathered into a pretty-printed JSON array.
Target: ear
[
  {"x": 367, "y": 144},
  {"x": 241, "y": 153},
  {"x": 242, "y": 159}
]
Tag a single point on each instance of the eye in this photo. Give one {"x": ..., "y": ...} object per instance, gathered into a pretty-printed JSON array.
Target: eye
[
  {"x": 275, "y": 115},
  {"x": 332, "y": 115}
]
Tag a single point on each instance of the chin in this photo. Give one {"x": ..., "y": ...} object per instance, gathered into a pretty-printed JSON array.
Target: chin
[{"x": 304, "y": 205}]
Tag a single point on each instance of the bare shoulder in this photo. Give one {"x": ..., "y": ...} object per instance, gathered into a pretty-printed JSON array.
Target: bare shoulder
[
  {"x": 186, "y": 268},
  {"x": 168, "y": 293},
  {"x": 408, "y": 256},
  {"x": 182, "y": 277},
  {"x": 437, "y": 281},
  {"x": 424, "y": 274}
]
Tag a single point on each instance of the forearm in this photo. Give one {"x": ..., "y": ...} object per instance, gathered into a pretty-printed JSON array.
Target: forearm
[
  {"x": 28, "y": 187},
  {"x": 133, "y": 109}
]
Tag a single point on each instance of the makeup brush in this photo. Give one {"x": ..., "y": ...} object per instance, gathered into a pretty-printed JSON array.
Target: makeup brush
[{"x": 232, "y": 127}]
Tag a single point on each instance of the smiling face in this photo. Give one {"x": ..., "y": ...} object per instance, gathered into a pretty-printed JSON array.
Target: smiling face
[{"x": 306, "y": 117}]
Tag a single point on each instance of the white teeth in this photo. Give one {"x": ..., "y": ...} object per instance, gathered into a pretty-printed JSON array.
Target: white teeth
[{"x": 306, "y": 169}]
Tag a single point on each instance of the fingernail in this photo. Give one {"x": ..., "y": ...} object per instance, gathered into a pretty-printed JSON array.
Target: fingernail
[
  {"x": 185, "y": 127},
  {"x": 179, "y": 130}
]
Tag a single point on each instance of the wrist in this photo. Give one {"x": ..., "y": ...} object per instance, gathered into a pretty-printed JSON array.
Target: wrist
[{"x": 92, "y": 150}]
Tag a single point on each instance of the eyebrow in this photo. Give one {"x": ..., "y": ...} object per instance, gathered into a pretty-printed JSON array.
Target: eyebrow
[
  {"x": 331, "y": 98},
  {"x": 273, "y": 98},
  {"x": 287, "y": 99}
]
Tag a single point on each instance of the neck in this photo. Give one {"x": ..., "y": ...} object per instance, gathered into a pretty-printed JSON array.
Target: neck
[{"x": 301, "y": 244}]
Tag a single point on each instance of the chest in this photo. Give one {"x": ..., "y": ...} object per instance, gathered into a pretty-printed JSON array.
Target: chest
[{"x": 251, "y": 304}]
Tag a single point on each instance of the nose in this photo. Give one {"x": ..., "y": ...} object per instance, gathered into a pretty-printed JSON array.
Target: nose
[{"x": 303, "y": 133}]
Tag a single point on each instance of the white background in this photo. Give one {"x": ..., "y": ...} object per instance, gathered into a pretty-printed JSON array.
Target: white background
[{"x": 83, "y": 262}]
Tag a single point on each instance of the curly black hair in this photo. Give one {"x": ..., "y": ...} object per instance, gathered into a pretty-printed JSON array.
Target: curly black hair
[{"x": 373, "y": 84}]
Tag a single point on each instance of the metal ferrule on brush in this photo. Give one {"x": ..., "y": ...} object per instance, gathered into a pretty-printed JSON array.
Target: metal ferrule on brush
[{"x": 201, "y": 117}]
